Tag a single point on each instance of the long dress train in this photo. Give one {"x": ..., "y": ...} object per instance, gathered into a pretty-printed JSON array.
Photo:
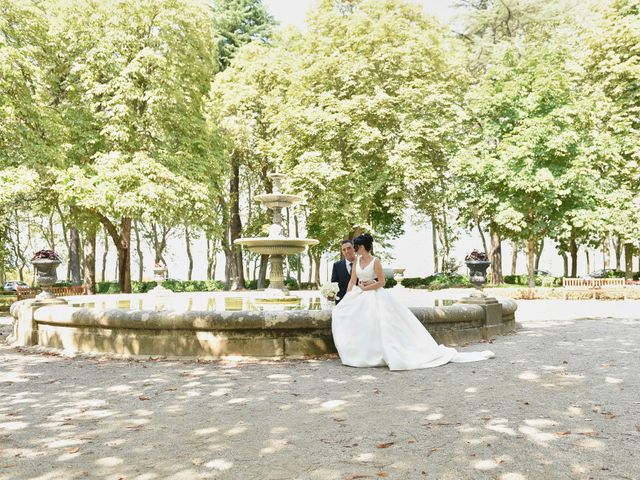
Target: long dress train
[{"x": 371, "y": 329}]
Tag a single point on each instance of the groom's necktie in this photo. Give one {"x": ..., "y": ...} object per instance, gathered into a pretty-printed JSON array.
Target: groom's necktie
[{"x": 350, "y": 266}]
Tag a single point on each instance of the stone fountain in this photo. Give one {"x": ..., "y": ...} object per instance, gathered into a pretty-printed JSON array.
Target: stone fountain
[{"x": 276, "y": 245}]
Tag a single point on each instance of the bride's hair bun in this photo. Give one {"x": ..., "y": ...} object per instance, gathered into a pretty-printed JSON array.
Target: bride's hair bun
[{"x": 366, "y": 240}]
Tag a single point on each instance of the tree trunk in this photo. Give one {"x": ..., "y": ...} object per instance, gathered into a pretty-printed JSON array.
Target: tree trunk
[
  {"x": 617, "y": 245},
  {"x": 484, "y": 240},
  {"x": 565, "y": 265},
  {"x": 317, "y": 258},
  {"x": 539, "y": 248},
  {"x": 588, "y": 258},
  {"x": 262, "y": 274},
  {"x": 235, "y": 227},
  {"x": 628, "y": 261},
  {"x": 187, "y": 239},
  {"x": 445, "y": 237},
  {"x": 65, "y": 237},
  {"x": 136, "y": 231},
  {"x": 122, "y": 240},
  {"x": 514, "y": 258},
  {"x": 606, "y": 252},
  {"x": 573, "y": 250},
  {"x": 299, "y": 256},
  {"x": 310, "y": 268},
  {"x": 531, "y": 253},
  {"x": 434, "y": 242},
  {"x": 90, "y": 263},
  {"x": 74, "y": 256},
  {"x": 495, "y": 255},
  {"x": 104, "y": 255}
]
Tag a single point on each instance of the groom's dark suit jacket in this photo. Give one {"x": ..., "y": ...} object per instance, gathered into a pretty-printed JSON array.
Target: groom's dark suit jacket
[{"x": 341, "y": 275}]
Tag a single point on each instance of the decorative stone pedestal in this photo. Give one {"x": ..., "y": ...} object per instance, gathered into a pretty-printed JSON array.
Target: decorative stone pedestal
[{"x": 492, "y": 323}]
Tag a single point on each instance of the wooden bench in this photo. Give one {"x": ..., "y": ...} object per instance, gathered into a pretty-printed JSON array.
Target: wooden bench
[{"x": 592, "y": 282}]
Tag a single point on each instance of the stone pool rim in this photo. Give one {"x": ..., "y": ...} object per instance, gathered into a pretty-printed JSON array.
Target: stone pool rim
[{"x": 219, "y": 334}]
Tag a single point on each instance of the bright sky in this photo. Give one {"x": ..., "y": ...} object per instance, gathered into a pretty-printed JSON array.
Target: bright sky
[{"x": 293, "y": 12}]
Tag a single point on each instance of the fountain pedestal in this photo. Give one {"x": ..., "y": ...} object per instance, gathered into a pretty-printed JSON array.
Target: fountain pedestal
[{"x": 276, "y": 245}]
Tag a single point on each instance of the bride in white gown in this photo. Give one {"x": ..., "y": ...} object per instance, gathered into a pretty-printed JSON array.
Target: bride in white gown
[{"x": 371, "y": 328}]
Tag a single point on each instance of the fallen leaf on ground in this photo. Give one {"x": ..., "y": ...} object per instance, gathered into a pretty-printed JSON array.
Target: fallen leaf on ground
[
  {"x": 170, "y": 389},
  {"x": 72, "y": 450},
  {"x": 588, "y": 434},
  {"x": 384, "y": 445},
  {"x": 196, "y": 461},
  {"x": 143, "y": 397},
  {"x": 382, "y": 474},
  {"x": 354, "y": 477},
  {"x": 560, "y": 434}
]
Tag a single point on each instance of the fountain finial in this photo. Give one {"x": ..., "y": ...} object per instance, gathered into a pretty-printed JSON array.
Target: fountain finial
[{"x": 276, "y": 178}]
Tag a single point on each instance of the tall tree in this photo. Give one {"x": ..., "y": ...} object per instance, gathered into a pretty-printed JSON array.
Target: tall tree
[
  {"x": 142, "y": 78},
  {"x": 238, "y": 22}
]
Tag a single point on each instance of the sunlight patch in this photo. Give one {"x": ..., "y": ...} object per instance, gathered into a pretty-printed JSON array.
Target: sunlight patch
[
  {"x": 13, "y": 425},
  {"x": 471, "y": 390},
  {"x": 366, "y": 378},
  {"x": 528, "y": 375},
  {"x": 485, "y": 465},
  {"x": 613, "y": 380},
  {"x": 512, "y": 476},
  {"x": 235, "y": 431},
  {"x": 219, "y": 464},
  {"x": 364, "y": 457},
  {"x": 434, "y": 416},
  {"x": 416, "y": 407},
  {"x": 109, "y": 461}
]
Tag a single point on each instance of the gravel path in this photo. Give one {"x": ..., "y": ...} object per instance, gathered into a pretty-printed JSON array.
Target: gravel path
[{"x": 561, "y": 400}]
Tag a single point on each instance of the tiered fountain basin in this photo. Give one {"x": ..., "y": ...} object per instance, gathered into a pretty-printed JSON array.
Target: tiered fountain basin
[
  {"x": 276, "y": 245},
  {"x": 169, "y": 329}
]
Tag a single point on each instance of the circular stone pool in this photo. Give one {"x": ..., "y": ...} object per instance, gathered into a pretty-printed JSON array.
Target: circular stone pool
[{"x": 222, "y": 324}]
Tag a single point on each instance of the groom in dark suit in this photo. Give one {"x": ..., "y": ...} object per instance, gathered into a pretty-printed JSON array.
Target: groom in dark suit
[{"x": 342, "y": 269}]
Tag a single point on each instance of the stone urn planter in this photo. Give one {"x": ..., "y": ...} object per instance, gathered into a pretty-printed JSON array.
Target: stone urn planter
[
  {"x": 159, "y": 275},
  {"x": 477, "y": 263},
  {"x": 46, "y": 263}
]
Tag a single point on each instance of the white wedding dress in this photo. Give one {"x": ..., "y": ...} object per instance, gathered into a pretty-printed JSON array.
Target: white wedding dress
[{"x": 372, "y": 329}]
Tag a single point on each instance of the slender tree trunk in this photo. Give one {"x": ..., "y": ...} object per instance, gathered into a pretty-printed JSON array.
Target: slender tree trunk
[
  {"x": 65, "y": 237},
  {"x": 235, "y": 228},
  {"x": 617, "y": 245},
  {"x": 573, "y": 250},
  {"x": 565, "y": 264},
  {"x": 482, "y": 238},
  {"x": 262, "y": 274},
  {"x": 606, "y": 252},
  {"x": 90, "y": 262},
  {"x": 317, "y": 258},
  {"x": 122, "y": 241},
  {"x": 434, "y": 243},
  {"x": 187, "y": 238},
  {"x": 514, "y": 258},
  {"x": 299, "y": 257},
  {"x": 445, "y": 237},
  {"x": 539, "y": 247},
  {"x": 74, "y": 256},
  {"x": 105, "y": 255},
  {"x": 136, "y": 231},
  {"x": 531, "y": 253},
  {"x": 588, "y": 259},
  {"x": 628, "y": 261},
  {"x": 496, "y": 258},
  {"x": 310, "y": 268}
]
